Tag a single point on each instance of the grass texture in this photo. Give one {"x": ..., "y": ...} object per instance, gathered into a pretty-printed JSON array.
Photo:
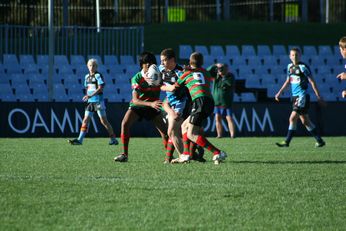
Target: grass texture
[{"x": 47, "y": 184}]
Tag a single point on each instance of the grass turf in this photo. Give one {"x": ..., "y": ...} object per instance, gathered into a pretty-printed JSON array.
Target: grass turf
[{"x": 47, "y": 184}]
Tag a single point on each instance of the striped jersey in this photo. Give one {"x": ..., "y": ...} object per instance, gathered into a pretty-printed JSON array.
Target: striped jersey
[
  {"x": 91, "y": 83},
  {"x": 170, "y": 78},
  {"x": 197, "y": 81},
  {"x": 299, "y": 78},
  {"x": 145, "y": 92}
]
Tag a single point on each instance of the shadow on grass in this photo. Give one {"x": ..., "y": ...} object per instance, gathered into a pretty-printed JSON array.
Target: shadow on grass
[{"x": 290, "y": 162}]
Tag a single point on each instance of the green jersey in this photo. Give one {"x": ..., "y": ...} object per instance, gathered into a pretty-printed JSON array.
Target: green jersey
[
  {"x": 145, "y": 92},
  {"x": 223, "y": 88},
  {"x": 197, "y": 81}
]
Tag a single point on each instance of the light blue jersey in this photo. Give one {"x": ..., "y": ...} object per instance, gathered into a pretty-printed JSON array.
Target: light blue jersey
[
  {"x": 299, "y": 78},
  {"x": 91, "y": 83},
  {"x": 177, "y": 99}
]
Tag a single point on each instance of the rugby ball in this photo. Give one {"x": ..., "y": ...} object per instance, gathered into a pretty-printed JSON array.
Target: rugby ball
[{"x": 154, "y": 77}]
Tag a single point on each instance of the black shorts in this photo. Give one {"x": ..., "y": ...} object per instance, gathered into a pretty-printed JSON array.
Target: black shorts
[
  {"x": 201, "y": 109},
  {"x": 301, "y": 104},
  {"x": 145, "y": 112}
]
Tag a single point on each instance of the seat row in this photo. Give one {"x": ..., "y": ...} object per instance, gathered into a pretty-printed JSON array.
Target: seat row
[{"x": 257, "y": 50}]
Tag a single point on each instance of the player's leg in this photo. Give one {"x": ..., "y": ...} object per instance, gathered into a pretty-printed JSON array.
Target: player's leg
[
  {"x": 230, "y": 122},
  {"x": 161, "y": 126},
  {"x": 218, "y": 125},
  {"x": 83, "y": 129},
  {"x": 170, "y": 146},
  {"x": 305, "y": 119},
  {"x": 174, "y": 133},
  {"x": 129, "y": 118},
  {"x": 104, "y": 121},
  {"x": 292, "y": 127}
]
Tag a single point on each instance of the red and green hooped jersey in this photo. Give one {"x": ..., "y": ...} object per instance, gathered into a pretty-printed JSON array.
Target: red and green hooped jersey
[
  {"x": 145, "y": 92},
  {"x": 197, "y": 81}
]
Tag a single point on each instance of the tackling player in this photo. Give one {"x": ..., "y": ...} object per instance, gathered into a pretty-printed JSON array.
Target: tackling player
[
  {"x": 197, "y": 80},
  {"x": 299, "y": 75}
]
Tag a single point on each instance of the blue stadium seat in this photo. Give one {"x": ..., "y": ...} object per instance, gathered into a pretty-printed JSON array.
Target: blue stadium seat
[
  {"x": 223, "y": 59},
  {"x": 244, "y": 72},
  {"x": 77, "y": 60},
  {"x": 248, "y": 50},
  {"x": 110, "y": 60},
  {"x": 336, "y": 49},
  {"x": 60, "y": 93},
  {"x": 35, "y": 79},
  {"x": 30, "y": 69},
  {"x": 232, "y": 51},
  {"x": 185, "y": 51},
  {"x": 10, "y": 59},
  {"x": 267, "y": 79},
  {"x": 263, "y": 50},
  {"x": 127, "y": 60},
  {"x": 309, "y": 51},
  {"x": 42, "y": 60},
  {"x": 208, "y": 60},
  {"x": 279, "y": 50},
  {"x": 6, "y": 93},
  {"x": 131, "y": 70},
  {"x": 25, "y": 60},
  {"x": 202, "y": 49},
  {"x": 65, "y": 70},
  {"x": 248, "y": 97},
  {"x": 216, "y": 51},
  {"x": 316, "y": 61},
  {"x": 278, "y": 70},
  {"x": 254, "y": 61},
  {"x": 333, "y": 60},
  {"x": 325, "y": 50},
  {"x": 269, "y": 60},
  {"x": 284, "y": 60},
  {"x": 60, "y": 60},
  {"x": 115, "y": 70},
  {"x": 13, "y": 69},
  {"x": 102, "y": 69},
  {"x": 40, "y": 92},
  {"x": 239, "y": 61},
  {"x": 72, "y": 79},
  {"x": 261, "y": 70},
  {"x": 124, "y": 78},
  {"x": 21, "y": 90},
  {"x": 17, "y": 79},
  {"x": 253, "y": 82}
]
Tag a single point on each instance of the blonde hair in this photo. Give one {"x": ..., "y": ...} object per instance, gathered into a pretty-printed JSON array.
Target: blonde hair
[
  {"x": 342, "y": 42},
  {"x": 196, "y": 60},
  {"x": 92, "y": 60}
]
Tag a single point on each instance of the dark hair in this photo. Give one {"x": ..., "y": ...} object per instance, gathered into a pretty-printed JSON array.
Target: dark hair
[
  {"x": 296, "y": 49},
  {"x": 196, "y": 59},
  {"x": 168, "y": 53},
  {"x": 147, "y": 57}
]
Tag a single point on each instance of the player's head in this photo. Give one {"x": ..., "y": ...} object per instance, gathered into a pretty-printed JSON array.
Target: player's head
[
  {"x": 167, "y": 57},
  {"x": 92, "y": 65},
  {"x": 342, "y": 46},
  {"x": 196, "y": 60},
  {"x": 146, "y": 59},
  {"x": 295, "y": 55}
]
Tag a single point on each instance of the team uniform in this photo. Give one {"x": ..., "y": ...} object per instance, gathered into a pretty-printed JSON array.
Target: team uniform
[
  {"x": 223, "y": 89},
  {"x": 95, "y": 103},
  {"x": 198, "y": 83},
  {"x": 299, "y": 78},
  {"x": 179, "y": 100},
  {"x": 146, "y": 93}
]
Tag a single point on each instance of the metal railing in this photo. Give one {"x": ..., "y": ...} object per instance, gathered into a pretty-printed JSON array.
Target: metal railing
[
  {"x": 129, "y": 12},
  {"x": 72, "y": 40}
]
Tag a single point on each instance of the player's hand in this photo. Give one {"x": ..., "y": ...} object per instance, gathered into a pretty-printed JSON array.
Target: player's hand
[
  {"x": 277, "y": 97},
  {"x": 341, "y": 76},
  {"x": 156, "y": 104},
  {"x": 85, "y": 98},
  {"x": 343, "y": 93}
]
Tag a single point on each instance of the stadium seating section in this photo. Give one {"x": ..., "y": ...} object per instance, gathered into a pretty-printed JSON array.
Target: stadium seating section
[{"x": 24, "y": 78}]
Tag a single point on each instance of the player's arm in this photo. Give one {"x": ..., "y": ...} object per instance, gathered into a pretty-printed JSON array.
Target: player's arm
[
  {"x": 282, "y": 89},
  {"x": 168, "y": 87},
  {"x": 138, "y": 102},
  {"x": 314, "y": 87},
  {"x": 341, "y": 76}
]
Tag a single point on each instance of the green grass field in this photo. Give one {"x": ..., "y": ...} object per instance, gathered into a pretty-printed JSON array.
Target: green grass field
[{"x": 47, "y": 184}]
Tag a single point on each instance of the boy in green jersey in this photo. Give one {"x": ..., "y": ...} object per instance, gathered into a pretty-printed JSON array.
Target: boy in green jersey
[
  {"x": 145, "y": 104},
  {"x": 197, "y": 80}
]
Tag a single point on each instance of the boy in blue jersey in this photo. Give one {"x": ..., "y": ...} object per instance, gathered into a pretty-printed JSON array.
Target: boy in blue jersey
[
  {"x": 94, "y": 85},
  {"x": 299, "y": 75},
  {"x": 342, "y": 75}
]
